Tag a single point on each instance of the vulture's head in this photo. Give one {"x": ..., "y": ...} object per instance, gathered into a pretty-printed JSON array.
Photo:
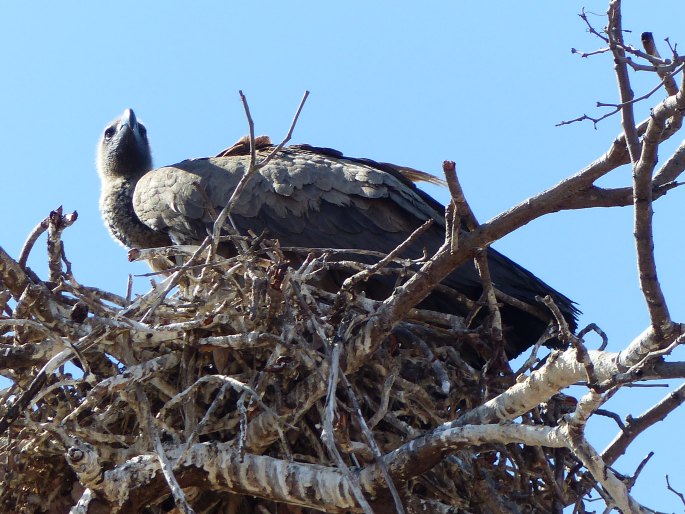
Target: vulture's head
[{"x": 123, "y": 150}]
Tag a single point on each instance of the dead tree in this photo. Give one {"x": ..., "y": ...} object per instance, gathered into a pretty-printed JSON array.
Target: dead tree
[{"x": 237, "y": 385}]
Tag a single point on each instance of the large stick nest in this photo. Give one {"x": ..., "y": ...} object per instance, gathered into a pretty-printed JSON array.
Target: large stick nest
[{"x": 212, "y": 352}]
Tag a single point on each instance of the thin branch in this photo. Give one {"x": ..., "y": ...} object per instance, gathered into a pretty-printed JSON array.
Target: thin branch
[
  {"x": 366, "y": 273},
  {"x": 635, "y": 426},
  {"x": 288, "y": 136},
  {"x": 164, "y": 464},
  {"x": 56, "y": 224},
  {"x": 592, "y": 327},
  {"x": 585, "y": 55},
  {"x": 252, "y": 169},
  {"x": 31, "y": 240},
  {"x": 618, "y": 107},
  {"x": 615, "y": 36},
  {"x": 650, "y": 47},
  {"x": 677, "y": 493},
  {"x": 465, "y": 213},
  {"x": 327, "y": 434},
  {"x": 643, "y": 213},
  {"x": 368, "y": 434}
]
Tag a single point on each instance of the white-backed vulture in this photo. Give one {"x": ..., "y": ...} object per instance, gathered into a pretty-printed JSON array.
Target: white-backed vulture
[{"x": 305, "y": 197}]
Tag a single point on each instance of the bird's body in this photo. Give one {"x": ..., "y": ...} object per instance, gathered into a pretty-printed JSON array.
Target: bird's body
[{"x": 305, "y": 197}]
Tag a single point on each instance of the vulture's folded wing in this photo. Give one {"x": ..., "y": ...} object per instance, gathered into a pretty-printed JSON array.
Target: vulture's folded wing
[{"x": 301, "y": 198}]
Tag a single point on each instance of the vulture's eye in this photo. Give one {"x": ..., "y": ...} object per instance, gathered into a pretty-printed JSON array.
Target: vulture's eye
[{"x": 109, "y": 132}]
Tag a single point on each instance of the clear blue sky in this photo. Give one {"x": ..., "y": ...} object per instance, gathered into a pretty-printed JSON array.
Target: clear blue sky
[{"x": 407, "y": 82}]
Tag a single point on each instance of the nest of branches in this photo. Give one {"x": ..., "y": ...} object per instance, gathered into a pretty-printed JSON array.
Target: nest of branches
[{"x": 236, "y": 384}]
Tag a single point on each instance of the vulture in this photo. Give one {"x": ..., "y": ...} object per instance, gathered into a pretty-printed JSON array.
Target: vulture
[{"x": 306, "y": 197}]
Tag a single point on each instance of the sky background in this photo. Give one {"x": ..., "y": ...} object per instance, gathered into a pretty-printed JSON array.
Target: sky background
[{"x": 412, "y": 83}]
